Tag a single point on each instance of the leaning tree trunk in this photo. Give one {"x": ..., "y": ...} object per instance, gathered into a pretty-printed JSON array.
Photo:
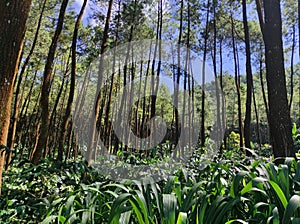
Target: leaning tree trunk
[
  {"x": 280, "y": 120},
  {"x": 44, "y": 103},
  {"x": 98, "y": 95},
  {"x": 12, "y": 29},
  {"x": 66, "y": 120}
]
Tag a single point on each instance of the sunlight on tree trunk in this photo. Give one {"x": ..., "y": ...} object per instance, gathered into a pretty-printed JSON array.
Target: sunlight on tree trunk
[{"x": 12, "y": 26}]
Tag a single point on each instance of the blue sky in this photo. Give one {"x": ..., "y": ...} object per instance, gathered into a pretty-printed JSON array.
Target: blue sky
[{"x": 228, "y": 64}]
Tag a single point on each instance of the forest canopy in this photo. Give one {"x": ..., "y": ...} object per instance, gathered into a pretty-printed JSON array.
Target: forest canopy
[{"x": 127, "y": 90}]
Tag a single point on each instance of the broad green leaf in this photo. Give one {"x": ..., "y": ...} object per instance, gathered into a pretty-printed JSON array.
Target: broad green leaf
[
  {"x": 182, "y": 218},
  {"x": 137, "y": 211},
  {"x": 236, "y": 183},
  {"x": 292, "y": 206},
  {"x": 275, "y": 216},
  {"x": 294, "y": 130},
  {"x": 169, "y": 206},
  {"x": 49, "y": 219},
  {"x": 68, "y": 205},
  {"x": 202, "y": 210},
  {"x": 279, "y": 193},
  {"x": 125, "y": 217},
  {"x": 115, "y": 208}
]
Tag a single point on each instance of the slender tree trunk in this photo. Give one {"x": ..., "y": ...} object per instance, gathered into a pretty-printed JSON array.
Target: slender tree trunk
[
  {"x": 12, "y": 29},
  {"x": 263, "y": 86},
  {"x": 292, "y": 67},
  {"x": 202, "y": 134},
  {"x": 98, "y": 94},
  {"x": 223, "y": 102},
  {"x": 112, "y": 85},
  {"x": 66, "y": 119},
  {"x": 178, "y": 73},
  {"x": 214, "y": 57},
  {"x": 186, "y": 84},
  {"x": 53, "y": 116},
  {"x": 44, "y": 103},
  {"x": 237, "y": 84},
  {"x": 280, "y": 120},
  {"x": 257, "y": 121},
  {"x": 247, "y": 122},
  {"x": 155, "y": 80}
]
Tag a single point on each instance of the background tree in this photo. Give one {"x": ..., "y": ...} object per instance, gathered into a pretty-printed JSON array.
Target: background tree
[
  {"x": 247, "y": 123},
  {"x": 66, "y": 119},
  {"x": 47, "y": 78}
]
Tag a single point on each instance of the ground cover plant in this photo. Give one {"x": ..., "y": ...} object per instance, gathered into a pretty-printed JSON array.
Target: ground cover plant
[{"x": 230, "y": 189}]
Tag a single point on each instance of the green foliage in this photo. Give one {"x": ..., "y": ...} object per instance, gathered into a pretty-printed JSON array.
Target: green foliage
[
  {"x": 231, "y": 189},
  {"x": 296, "y": 137}
]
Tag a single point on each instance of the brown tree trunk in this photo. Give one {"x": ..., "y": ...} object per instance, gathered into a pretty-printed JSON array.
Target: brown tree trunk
[
  {"x": 17, "y": 100},
  {"x": 108, "y": 134},
  {"x": 280, "y": 120},
  {"x": 292, "y": 67},
  {"x": 202, "y": 134},
  {"x": 66, "y": 120},
  {"x": 247, "y": 122},
  {"x": 237, "y": 84},
  {"x": 176, "y": 89},
  {"x": 98, "y": 94},
  {"x": 44, "y": 103},
  {"x": 257, "y": 121},
  {"x": 214, "y": 59},
  {"x": 12, "y": 29}
]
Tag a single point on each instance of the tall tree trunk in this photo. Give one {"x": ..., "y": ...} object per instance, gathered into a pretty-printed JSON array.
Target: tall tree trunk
[
  {"x": 98, "y": 94},
  {"x": 280, "y": 120},
  {"x": 257, "y": 121},
  {"x": 47, "y": 78},
  {"x": 155, "y": 81},
  {"x": 247, "y": 122},
  {"x": 108, "y": 133},
  {"x": 176, "y": 89},
  {"x": 292, "y": 67},
  {"x": 66, "y": 119},
  {"x": 17, "y": 100},
  {"x": 223, "y": 101},
  {"x": 202, "y": 134},
  {"x": 214, "y": 59},
  {"x": 13, "y": 20},
  {"x": 237, "y": 84}
]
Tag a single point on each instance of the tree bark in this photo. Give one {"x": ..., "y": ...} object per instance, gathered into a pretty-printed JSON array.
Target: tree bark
[
  {"x": 292, "y": 67},
  {"x": 12, "y": 29},
  {"x": 202, "y": 132},
  {"x": 44, "y": 102},
  {"x": 237, "y": 84},
  {"x": 280, "y": 120},
  {"x": 98, "y": 94},
  {"x": 66, "y": 120},
  {"x": 247, "y": 122}
]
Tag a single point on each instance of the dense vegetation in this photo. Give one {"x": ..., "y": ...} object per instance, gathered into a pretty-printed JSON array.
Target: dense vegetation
[
  {"x": 231, "y": 189},
  {"x": 150, "y": 111}
]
